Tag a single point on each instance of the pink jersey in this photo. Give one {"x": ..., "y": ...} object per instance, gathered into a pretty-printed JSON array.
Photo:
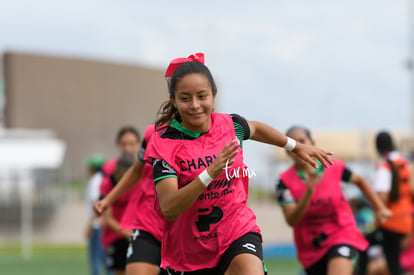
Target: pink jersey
[
  {"x": 198, "y": 237},
  {"x": 141, "y": 212},
  {"x": 117, "y": 208},
  {"x": 328, "y": 215}
]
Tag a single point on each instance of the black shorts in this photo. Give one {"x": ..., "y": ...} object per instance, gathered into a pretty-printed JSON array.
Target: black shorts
[
  {"x": 143, "y": 247},
  {"x": 249, "y": 243},
  {"x": 116, "y": 254},
  {"x": 339, "y": 250}
]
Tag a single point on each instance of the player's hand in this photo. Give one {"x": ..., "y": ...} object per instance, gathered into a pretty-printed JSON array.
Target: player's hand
[
  {"x": 99, "y": 207},
  {"x": 312, "y": 180},
  {"x": 383, "y": 214},
  {"x": 310, "y": 152},
  {"x": 224, "y": 159}
]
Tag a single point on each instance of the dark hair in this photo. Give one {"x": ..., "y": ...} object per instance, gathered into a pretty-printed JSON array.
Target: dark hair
[
  {"x": 394, "y": 194},
  {"x": 384, "y": 142},
  {"x": 123, "y": 164},
  {"x": 125, "y": 130},
  {"x": 167, "y": 111},
  {"x": 296, "y": 127}
]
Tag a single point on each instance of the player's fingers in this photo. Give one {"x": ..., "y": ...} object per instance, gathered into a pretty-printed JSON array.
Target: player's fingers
[
  {"x": 311, "y": 161},
  {"x": 229, "y": 145},
  {"x": 233, "y": 149},
  {"x": 327, "y": 158},
  {"x": 228, "y": 150},
  {"x": 324, "y": 158},
  {"x": 231, "y": 157},
  {"x": 98, "y": 208}
]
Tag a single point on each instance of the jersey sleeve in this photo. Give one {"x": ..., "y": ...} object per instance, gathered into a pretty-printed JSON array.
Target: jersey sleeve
[
  {"x": 283, "y": 194},
  {"x": 162, "y": 170},
  {"x": 346, "y": 175},
  {"x": 241, "y": 127}
]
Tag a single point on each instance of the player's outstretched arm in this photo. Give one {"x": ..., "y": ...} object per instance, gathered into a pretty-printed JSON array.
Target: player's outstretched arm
[{"x": 262, "y": 132}]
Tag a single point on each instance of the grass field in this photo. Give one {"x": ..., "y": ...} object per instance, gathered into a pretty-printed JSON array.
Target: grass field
[{"x": 69, "y": 260}]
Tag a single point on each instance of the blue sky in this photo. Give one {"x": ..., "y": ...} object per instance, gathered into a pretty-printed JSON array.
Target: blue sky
[{"x": 324, "y": 64}]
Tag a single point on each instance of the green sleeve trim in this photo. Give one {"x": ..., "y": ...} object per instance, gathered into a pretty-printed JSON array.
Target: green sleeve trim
[
  {"x": 241, "y": 127},
  {"x": 239, "y": 131},
  {"x": 163, "y": 177}
]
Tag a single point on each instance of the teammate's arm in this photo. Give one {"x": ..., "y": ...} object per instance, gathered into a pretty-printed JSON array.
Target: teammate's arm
[
  {"x": 294, "y": 212},
  {"x": 113, "y": 224},
  {"x": 384, "y": 196},
  {"x": 381, "y": 211},
  {"x": 128, "y": 180}
]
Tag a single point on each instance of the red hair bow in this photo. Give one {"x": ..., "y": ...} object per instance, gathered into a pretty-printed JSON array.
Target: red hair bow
[{"x": 175, "y": 63}]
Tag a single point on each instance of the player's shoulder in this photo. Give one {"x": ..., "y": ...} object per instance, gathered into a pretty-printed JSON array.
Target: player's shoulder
[
  {"x": 337, "y": 162},
  {"x": 148, "y": 132},
  {"x": 109, "y": 166}
]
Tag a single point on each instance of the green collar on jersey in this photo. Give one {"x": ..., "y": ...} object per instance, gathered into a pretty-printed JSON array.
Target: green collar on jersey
[
  {"x": 175, "y": 124},
  {"x": 318, "y": 171}
]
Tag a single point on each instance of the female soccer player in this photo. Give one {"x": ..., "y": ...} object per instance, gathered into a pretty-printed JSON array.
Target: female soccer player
[
  {"x": 393, "y": 185},
  {"x": 201, "y": 180},
  {"x": 96, "y": 253},
  {"x": 144, "y": 252},
  {"x": 325, "y": 232},
  {"x": 114, "y": 239}
]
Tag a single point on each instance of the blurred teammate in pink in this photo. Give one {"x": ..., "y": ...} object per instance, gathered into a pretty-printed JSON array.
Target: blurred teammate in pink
[
  {"x": 144, "y": 251},
  {"x": 115, "y": 240},
  {"x": 326, "y": 236}
]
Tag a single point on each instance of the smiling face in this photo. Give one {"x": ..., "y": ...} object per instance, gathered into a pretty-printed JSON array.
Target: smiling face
[{"x": 194, "y": 101}]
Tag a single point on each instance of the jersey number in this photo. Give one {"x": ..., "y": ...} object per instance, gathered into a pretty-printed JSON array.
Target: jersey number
[{"x": 204, "y": 220}]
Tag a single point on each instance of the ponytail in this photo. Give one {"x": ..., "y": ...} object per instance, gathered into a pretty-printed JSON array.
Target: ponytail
[
  {"x": 394, "y": 194},
  {"x": 166, "y": 113}
]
